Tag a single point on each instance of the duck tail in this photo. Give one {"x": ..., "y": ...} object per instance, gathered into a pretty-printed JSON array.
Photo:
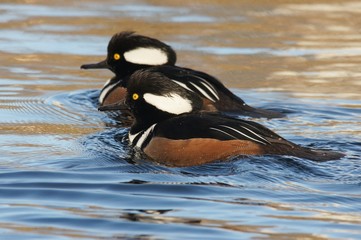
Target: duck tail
[{"x": 315, "y": 154}]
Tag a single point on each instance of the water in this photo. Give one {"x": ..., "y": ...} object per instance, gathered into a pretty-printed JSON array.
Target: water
[{"x": 67, "y": 172}]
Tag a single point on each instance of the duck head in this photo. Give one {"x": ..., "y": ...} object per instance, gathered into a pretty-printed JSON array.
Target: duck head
[{"x": 128, "y": 52}]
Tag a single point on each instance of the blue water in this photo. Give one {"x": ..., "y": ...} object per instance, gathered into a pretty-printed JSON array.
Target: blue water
[
  {"x": 98, "y": 191},
  {"x": 68, "y": 172}
]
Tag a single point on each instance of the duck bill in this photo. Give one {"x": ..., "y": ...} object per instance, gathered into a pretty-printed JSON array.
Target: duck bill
[
  {"x": 119, "y": 106},
  {"x": 99, "y": 65}
]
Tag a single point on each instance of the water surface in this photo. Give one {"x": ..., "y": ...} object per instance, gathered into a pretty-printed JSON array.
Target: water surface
[{"x": 67, "y": 171}]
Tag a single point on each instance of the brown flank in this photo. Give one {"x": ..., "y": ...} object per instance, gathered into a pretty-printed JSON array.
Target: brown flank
[
  {"x": 116, "y": 95},
  {"x": 196, "y": 151}
]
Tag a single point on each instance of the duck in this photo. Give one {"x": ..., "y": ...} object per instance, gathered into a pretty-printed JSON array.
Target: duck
[
  {"x": 171, "y": 128},
  {"x": 129, "y": 52}
]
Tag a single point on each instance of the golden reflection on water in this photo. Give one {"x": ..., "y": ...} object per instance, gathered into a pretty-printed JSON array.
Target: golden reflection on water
[
  {"x": 162, "y": 217},
  {"x": 50, "y": 231},
  {"x": 316, "y": 46}
]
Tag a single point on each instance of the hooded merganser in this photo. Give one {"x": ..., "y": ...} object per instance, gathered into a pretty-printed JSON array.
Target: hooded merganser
[
  {"x": 171, "y": 128},
  {"x": 128, "y": 52}
]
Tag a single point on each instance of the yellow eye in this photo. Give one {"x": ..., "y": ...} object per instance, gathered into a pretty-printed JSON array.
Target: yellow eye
[
  {"x": 116, "y": 56},
  {"x": 135, "y": 96}
]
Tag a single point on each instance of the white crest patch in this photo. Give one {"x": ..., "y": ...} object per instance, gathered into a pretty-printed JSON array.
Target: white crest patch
[
  {"x": 172, "y": 103},
  {"x": 146, "y": 56}
]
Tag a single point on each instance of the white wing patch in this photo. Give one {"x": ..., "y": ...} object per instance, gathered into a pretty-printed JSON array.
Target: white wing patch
[
  {"x": 219, "y": 130},
  {"x": 182, "y": 85},
  {"x": 247, "y": 136},
  {"x": 202, "y": 88},
  {"x": 202, "y": 92},
  {"x": 172, "y": 103},
  {"x": 146, "y": 56},
  {"x": 256, "y": 134},
  {"x": 211, "y": 89}
]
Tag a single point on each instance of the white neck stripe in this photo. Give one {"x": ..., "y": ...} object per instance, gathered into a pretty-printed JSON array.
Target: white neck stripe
[
  {"x": 105, "y": 91},
  {"x": 143, "y": 137},
  {"x": 107, "y": 82},
  {"x": 132, "y": 136}
]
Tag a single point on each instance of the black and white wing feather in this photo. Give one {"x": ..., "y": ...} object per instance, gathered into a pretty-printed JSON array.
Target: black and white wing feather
[
  {"x": 240, "y": 132},
  {"x": 204, "y": 125},
  {"x": 200, "y": 86},
  {"x": 192, "y": 81}
]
